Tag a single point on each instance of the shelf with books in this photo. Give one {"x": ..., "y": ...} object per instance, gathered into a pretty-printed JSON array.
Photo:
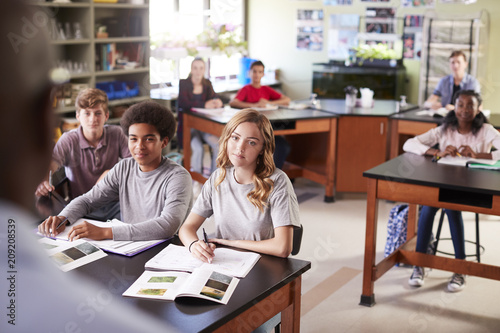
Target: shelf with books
[
  {"x": 121, "y": 6},
  {"x": 122, "y": 40},
  {"x": 73, "y": 27},
  {"x": 122, "y": 71}
]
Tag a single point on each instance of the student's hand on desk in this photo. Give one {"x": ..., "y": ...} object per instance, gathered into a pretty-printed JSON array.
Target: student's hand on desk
[
  {"x": 88, "y": 230},
  {"x": 44, "y": 189},
  {"x": 450, "y": 150},
  {"x": 203, "y": 251},
  {"x": 213, "y": 104},
  {"x": 449, "y": 107},
  {"x": 48, "y": 227},
  {"x": 467, "y": 151},
  {"x": 262, "y": 103}
]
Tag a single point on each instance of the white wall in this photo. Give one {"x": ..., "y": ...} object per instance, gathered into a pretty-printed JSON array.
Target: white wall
[{"x": 272, "y": 36}]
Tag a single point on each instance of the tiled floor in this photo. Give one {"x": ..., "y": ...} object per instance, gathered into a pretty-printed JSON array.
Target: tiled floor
[{"x": 334, "y": 242}]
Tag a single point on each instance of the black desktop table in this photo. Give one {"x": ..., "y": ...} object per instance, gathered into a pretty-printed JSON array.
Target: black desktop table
[
  {"x": 311, "y": 134},
  {"x": 419, "y": 181},
  {"x": 272, "y": 286}
]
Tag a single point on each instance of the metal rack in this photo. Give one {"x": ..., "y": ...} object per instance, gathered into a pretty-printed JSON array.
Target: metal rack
[{"x": 444, "y": 33}]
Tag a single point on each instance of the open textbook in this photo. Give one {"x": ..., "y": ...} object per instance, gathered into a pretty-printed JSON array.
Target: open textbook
[
  {"x": 226, "y": 261},
  {"x": 201, "y": 283},
  {"x": 126, "y": 248},
  {"x": 464, "y": 161},
  {"x": 70, "y": 255}
]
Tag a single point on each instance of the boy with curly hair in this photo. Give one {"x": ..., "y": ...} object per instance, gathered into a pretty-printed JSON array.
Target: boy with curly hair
[{"x": 155, "y": 193}]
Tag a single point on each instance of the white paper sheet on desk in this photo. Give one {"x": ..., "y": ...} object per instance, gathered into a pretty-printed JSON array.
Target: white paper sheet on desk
[
  {"x": 298, "y": 106},
  {"x": 268, "y": 107},
  {"x": 441, "y": 111},
  {"x": 218, "y": 111}
]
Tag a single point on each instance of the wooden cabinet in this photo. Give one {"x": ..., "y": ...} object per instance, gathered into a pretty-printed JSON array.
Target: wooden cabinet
[{"x": 361, "y": 145}]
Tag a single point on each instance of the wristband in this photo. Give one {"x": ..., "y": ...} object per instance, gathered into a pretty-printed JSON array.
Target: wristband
[{"x": 189, "y": 248}]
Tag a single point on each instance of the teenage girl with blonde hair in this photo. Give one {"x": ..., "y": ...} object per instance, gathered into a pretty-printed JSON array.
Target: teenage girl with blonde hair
[{"x": 252, "y": 202}]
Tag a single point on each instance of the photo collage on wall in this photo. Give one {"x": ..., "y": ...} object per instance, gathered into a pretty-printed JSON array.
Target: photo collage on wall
[
  {"x": 412, "y": 37},
  {"x": 418, "y": 3},
  {"x": 309, "y": 29}
]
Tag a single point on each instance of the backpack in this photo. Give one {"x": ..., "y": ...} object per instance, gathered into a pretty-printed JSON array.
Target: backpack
[{"x": 396, "y": 228}]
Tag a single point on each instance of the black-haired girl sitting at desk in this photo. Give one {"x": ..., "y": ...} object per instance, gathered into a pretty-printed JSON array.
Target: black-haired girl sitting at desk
[{"x": 464, "y": 132}]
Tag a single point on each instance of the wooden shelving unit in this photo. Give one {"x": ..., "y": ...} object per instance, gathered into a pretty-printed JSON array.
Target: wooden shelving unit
[{"x": 83, "y": 50}]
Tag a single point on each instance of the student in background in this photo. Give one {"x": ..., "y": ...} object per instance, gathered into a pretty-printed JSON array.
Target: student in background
[
  {"x": 197, "y": 92},
  {"x": 255, "y": 95},
  {"x": 449, "y": 85},
  {"x": 36, "y": 296},
  {"x": 465, "y": 132},
  {"x": 88, "y": 152},
  {"x": 252, "y": 202},
  {"x": 155, "y": 193}
]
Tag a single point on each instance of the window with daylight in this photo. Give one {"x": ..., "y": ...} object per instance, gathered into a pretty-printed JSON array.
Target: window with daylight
[{"x": 184, "y": 29}]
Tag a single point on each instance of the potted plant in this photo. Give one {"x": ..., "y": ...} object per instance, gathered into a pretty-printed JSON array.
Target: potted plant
[{"x": 375, "y": 55}]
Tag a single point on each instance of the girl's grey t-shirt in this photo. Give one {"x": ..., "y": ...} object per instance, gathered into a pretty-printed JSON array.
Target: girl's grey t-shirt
[{"x": 236, "y": 218}]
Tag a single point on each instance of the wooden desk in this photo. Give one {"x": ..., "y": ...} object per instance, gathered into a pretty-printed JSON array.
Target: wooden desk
[
  {"x": 272, "y": 286},
  {"x": 362, "y": 140},
  {"x": 312, "y": 152},
  {"x": 415, "y": 179}
]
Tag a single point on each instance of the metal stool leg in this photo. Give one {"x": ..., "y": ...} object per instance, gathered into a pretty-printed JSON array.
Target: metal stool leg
[{"x": 478, "y": 246}]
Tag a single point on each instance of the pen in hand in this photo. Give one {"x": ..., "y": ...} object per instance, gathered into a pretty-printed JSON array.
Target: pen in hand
[
  {"x": 205, "y": 238},
  {"x": 50, "y": 183},
  {"x": 60, "y": 224}
]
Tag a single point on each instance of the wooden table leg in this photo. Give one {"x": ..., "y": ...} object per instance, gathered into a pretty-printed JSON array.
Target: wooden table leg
[
  {"x": 367, "y": 295},
  {"x": 290, "y": 317},
  {"x": 330, "y": 162}
]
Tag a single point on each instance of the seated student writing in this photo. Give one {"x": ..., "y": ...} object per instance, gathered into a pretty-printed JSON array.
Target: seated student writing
[
  {"x": 89, "y": 151},
  {"x": 255, "y": 95},
  {"x": 253, "y": 203},
  {"x": 155, "y": 193},
  {"x": 197, "y": 92},
  {"x": 465, "y": 132}
]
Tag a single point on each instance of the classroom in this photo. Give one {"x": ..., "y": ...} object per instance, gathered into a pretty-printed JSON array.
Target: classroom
[{"x": 366, "y": 124}]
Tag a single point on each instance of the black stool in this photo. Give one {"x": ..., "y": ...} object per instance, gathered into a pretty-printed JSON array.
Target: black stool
[{"x": 479, "y": 247}]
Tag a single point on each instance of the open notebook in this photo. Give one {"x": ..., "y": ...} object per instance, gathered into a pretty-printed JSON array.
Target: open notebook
[
  {"x": 226, "y": 261},
  {"x": 126, "y": 248},
  {"x": 464, "y": 161}
]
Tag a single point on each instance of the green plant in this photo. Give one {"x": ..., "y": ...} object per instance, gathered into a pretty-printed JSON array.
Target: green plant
[
  {"x": 376, "y": 51},
  {"x": 225, "y": 38}
]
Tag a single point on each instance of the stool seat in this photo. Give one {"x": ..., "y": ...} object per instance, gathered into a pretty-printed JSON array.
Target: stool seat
[{"x": 479, "y": 248}]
